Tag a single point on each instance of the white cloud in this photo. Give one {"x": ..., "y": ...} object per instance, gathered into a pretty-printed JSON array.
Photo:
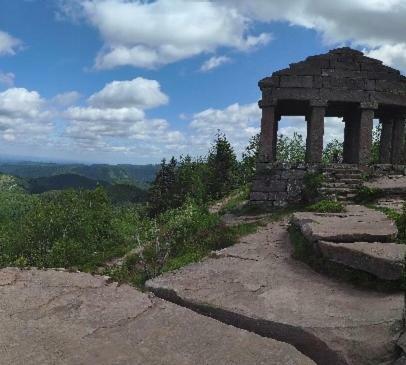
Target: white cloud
[
  {"x": 152, "y": 34},
  {"x": 214, "y": 62},
  {"x": 8, "y": 44},
  {"x": 374, "y": 24},
  {"x": 139, "y": 93},
  {"x": 7, "y": 79},
  {"x": 238, "y": 122},
  {"x": 23, "y": 116},
  {"x": 115, "y": 121},
  {"x": 66, "y": 99}
]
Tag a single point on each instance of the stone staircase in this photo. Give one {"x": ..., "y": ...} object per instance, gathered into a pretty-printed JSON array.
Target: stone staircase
[{"x": 341, "y": 182}]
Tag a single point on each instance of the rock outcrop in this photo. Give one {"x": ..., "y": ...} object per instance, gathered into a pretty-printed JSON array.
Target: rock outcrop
[
  {"x": 53, "y": 317},
  {"x": 256, "y": 285}
]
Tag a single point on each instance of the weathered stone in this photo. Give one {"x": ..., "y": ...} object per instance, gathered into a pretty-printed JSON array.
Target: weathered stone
[
  {"x": 256, "y": 285},
  {"x": 384, "y": 260},
  {"x": 258, "y": 196},
  {"x": 359, "y": 224},
  {"x": 297, "y": 81},
  {"x": 402, "y": 342},
  {"x": 50, "y": 317}
]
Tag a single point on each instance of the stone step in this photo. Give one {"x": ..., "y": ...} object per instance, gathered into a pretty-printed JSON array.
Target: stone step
[
  {"x": 358, "y": 224},
  {"x": 346, "y": 180},
  {"x": 384, "y": 260},
  {"x": 348, "y": 176},
  {"x": 258, "y": 286},
  {"x": 341, "y": 190},
  {"x": 340, "y": 185}
]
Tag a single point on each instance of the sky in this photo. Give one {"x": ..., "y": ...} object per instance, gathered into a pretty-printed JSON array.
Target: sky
[{"x": 130, "y": 81}]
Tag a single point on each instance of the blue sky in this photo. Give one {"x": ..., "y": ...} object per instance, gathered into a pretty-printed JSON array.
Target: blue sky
[{"x": 123, "y": 81}]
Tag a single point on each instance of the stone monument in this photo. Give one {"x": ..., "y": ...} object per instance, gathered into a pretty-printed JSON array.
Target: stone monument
[{"x": 343, "y": 83}]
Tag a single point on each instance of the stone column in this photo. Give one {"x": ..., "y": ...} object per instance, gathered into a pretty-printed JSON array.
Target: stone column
[
  {"x": 275, "y": 137},
  {"x": 314, "y": 140},
  {"x": 398, "y": 138},
  {"x": 268, "y": 127},
  {"x": 350, "y": 138},
  {"x": 366, "y": 120},
  {"x": 385, "y": 144}
]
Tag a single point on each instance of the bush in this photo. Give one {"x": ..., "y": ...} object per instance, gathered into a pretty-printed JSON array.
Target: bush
[
  {"x": 65, "y": 229},
  {"x": 366, "y": 195},
  {"x": 327, "y": 206},
  {"x": 312, "y": 183}
]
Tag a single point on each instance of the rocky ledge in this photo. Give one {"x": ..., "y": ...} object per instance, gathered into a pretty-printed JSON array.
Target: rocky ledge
[
  {"x": 54, "y": 317},
  {"x": 257, "y": 285}
]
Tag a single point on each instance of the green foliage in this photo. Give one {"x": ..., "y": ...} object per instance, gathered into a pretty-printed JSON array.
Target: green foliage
[
  {"x": 327, "y": 206},
  {"x": 312, "y": 183},
  {"x": 333, "y": 152},
  {"x": 236, "y": 199},
  {"x": 249, "y": 160},
  {"x": 366, "y": 195},
  {"x": 291, "y": 149},
  {"x": 222, "y": 168},
  {"x": 66, "y": 229},
  {"x": 376, "y": 137}
]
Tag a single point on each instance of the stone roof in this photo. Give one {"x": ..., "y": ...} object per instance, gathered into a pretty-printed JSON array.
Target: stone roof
[{"x": 341, "y": 75}]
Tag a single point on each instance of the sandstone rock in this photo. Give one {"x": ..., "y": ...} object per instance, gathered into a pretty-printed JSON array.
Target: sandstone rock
[
  {"x": 51, "y": 317},
  {"x": 390, "y": 185},
  {"x": 384, "y": 260},
  {"x": 402, "y": 342},
  {"x": 358, "y": 224},
  {"x": 256, "y": 285}
]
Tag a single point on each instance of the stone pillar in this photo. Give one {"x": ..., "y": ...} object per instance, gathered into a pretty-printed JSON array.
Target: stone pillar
[
  {"x": 314, "y": 140},
  {"x": 398, "y": 138},
  {"x": 385, "y": 144},
  {"x": 350, "y": 138},
  {"x": 268, "y": 127},
  {"x": 366, "y": 120},
  {"x": 275, "y": 137}
]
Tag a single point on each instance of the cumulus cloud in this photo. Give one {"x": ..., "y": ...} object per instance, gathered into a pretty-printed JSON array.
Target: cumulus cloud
[
  {"x": 140, "y": 93},
  {"x": 7, "y": 78},
  {"x": 152, "y": 34},
  {"x": 115, "y": 121},
  {"x": 214, "y": 62},
  {"x": 66, "y": 99},
  {"x": 8, "y": 44},
  {"x": 374, "y": 24},
  {"x": 23, "y": 116}
]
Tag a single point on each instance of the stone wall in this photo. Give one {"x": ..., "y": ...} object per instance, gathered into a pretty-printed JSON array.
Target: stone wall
[{"x": 279, "y": 184}]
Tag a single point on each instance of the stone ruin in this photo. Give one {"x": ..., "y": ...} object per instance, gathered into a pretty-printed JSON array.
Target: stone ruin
[{"x": 343, "y": 83}]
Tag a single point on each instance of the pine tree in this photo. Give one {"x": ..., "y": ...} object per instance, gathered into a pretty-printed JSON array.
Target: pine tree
[{"x": 222, "y": 168}]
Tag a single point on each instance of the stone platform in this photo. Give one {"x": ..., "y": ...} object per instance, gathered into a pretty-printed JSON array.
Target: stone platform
[
  {"x": 361, "y": 238},
  {"x": 257, "y": 285},
  {"x": 52, "y": 317}
]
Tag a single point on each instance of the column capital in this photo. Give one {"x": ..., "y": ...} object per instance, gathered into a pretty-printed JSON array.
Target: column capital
[
  {"x": 321, "y": 103},
  {"x": 267, "y": 102},
  {"x": 368, "y": 105}
]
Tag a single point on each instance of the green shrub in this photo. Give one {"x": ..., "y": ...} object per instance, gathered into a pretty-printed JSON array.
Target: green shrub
[
  {"x": 366, "y": 195},
  {"x": 327, "y": 206},
  {"x": 312, "y": 183}
]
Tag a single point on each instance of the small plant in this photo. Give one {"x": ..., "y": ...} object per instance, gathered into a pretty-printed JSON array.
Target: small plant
[
  {"x": 366, "y": 195},
  {"x": 312, "y": 183},
  {"x": 327, "y": 206}
]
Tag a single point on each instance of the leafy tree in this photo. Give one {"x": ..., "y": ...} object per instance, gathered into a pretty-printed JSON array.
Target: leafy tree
[
  {"x": 376, "y": 138},
  {"x": 333, "y": 152},
  {"x": 249, "y": 159},
  {"x": 291, "y": 149},
  {"x": 222, "y": 168}
]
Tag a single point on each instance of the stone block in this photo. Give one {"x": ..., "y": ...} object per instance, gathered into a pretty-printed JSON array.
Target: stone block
[
  {"x": 261, "y": 185},
  {"x": 258, "y": 196},
  {"x": 296, "y": 93},
  {"x": 297, "y": 81},
  {"x": 277, "y": 186}
]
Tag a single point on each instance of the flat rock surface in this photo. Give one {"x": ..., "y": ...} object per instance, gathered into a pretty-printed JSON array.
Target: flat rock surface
[
  {"x": 357, "y": 224},
  {"x": 53, "y": 317},
  {"x": 395, "y": 183},
  {"x": 256, "y": 285},
  {"x": 384, "y": 260}
]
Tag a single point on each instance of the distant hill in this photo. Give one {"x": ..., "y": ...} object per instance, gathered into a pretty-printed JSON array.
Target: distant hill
[
  {"x": 64, "y": 181},
  {"x": 140, "y": 175}
]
